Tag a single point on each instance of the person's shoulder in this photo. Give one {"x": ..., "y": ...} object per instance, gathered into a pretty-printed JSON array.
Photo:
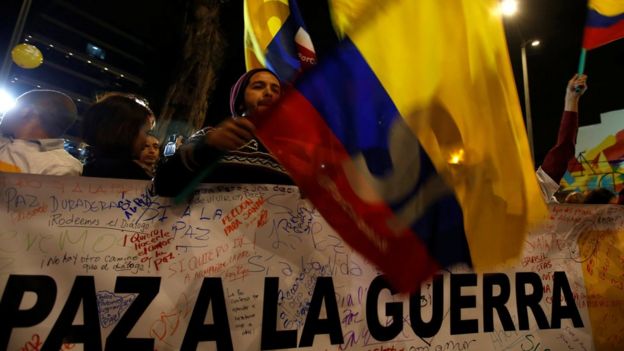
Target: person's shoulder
[
  {"x": 63, "y": 155},
  {"x": 60, "y": 162},
  {"x": 21, "y": 145}
]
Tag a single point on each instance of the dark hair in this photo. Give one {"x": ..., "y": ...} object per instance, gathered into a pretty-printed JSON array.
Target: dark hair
[
  {"x": 112, "y": 124},
  {"x": 152, "y": 134},
  {"x": 56, "y": 111},
  {"x": 137, "y": 98},
  {"x": 599, "y": 196}
]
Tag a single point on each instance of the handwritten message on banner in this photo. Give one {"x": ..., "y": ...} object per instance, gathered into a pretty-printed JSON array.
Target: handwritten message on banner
[{"x": 93, "y": 264}]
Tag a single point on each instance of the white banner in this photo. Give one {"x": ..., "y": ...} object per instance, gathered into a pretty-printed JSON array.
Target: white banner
[{"x": 100, "y": 264}]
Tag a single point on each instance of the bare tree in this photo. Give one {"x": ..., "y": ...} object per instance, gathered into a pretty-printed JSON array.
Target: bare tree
[{"x": 186, "y": 102}]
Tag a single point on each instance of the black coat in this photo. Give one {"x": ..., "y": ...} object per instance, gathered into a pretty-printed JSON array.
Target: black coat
[
  {"x": 251, "y": 164},
  {"x": 114, "y": 167}
]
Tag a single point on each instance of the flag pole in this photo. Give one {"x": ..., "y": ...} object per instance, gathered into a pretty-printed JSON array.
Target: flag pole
[
  {"x": 581, "y": 65},
  {"x": 581, "y": 68}
]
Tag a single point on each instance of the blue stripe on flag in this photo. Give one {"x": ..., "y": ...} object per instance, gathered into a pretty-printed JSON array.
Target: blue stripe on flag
[
  {"x": 281, "y": 54},
  {"x": 595, "y": 19},
  {"x": 350, "y": 97}
]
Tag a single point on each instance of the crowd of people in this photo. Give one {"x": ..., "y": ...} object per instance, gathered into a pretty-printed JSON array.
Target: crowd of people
[{"x": 117, "y": 129}]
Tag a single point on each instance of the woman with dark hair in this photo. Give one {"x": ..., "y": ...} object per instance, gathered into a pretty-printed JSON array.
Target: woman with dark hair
[
  {"x": 228, "y": 153},
  {"x": 115, "y": 128}
]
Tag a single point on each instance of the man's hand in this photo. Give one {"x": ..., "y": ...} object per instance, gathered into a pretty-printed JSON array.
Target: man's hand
[{"x": 230, "y": 134}]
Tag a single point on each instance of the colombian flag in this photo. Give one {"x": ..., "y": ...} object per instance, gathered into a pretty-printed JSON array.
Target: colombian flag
[
  {"x": 275, "y": 38},
  {"x": 409, "y": 138},
  {"x": 605, "y": 23}
]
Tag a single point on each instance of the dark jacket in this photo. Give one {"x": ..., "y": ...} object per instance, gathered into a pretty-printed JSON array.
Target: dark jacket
[
  {"x": 251, "y": 164},
  {"x": 104, "y": 166}
]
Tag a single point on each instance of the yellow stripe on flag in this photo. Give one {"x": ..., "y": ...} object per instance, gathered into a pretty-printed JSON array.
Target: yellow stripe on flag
[
  {"x": 446, "y": 67},
  {"x": 607, "y": 7},
  {"x": 345, "y": 13}
]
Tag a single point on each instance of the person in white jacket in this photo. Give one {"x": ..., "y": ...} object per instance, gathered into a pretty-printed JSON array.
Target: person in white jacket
[{"x": 31, "y": 135}]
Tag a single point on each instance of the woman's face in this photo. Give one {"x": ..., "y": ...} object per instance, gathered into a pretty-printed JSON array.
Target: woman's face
[{"x": 140, "y": 140}]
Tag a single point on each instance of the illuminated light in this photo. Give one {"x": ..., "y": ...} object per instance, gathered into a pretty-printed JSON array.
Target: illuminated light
[
  {"x": 51, "y": 45},
  {"x": 106, "y": 68},
  {"x": 78, "y": 100},
  {"x": 26, "y": 40},
  {"x": 7, "y": 101},
  {"x": 141, "y": 102},
  {"x": 88, "y": 61},
  {"x": 30, "y": 36},
  {"x": 71, "y": 54},
  {"x": 509, "y": 7},
  {"x": 38, "y": 86},
  {"x": 456, "y": 157},
  {"x": 535, "y": 43},
  {"x": 121, "y": 75}
]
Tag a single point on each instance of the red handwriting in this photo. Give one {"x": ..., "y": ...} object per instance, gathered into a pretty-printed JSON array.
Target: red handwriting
[
  {"x": 264, "y": 217},
  {"x": 169, "y": 322},
  {"x": 198, "y": 262},
  {"x": 34, "y": 344},
  {"x": 245, "y": 211},
  {"x": 152, "y": 247},
  {"x": 533, "y": 259},
  {"x": 24, "y": 215}
]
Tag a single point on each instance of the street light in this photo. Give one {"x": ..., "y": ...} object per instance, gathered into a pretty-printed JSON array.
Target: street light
[
  {"x": 527, "y": 100},
  {"x": 7, "y": 101},
  {"x": 508, "y": 7}
]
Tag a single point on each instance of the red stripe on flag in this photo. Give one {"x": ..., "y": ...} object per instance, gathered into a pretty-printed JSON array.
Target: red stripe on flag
[
  {"x": 299, "y": 137},
  {"x": 596, "y": 36}
]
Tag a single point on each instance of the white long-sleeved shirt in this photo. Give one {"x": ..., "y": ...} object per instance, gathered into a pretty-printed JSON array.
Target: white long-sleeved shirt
[{"x": 42, "y": 156}]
